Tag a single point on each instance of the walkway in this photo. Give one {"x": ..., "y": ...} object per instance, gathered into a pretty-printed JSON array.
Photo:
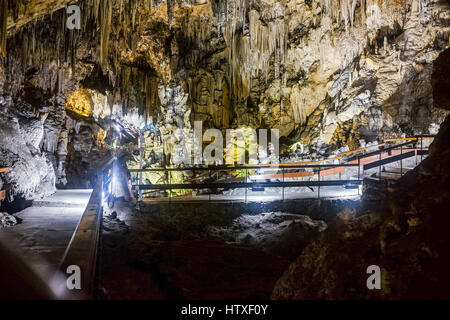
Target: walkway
[
  {"x": 338, "y": 177},
  {"x": 46, "y": 229}
]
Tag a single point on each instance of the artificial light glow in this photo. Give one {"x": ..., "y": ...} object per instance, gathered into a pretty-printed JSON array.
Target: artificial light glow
[{"x": 80, "y": 102}]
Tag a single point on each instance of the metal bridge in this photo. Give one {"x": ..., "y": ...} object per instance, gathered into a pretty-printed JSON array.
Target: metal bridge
[{"x": 354, "y": 165}]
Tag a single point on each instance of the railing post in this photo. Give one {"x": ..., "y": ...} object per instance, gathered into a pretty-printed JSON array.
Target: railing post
[
  {"x": 415, "y": 149},
  {"x": 141, "y": 151},
  {"x": 210, "y": 182},
  {"x": 379, "y": 167},
  {"x": 282, "y": 171},
  {"x": 318, "y": 189},
  {"x": 246, "y": 174},
  {"x": 421, "y": 149},
  {"x": 102, "y": 188},
  {"x": 359, "y": 173},
  {"x": 359, "y": 168},
  {"x": 170, "y": 187},
  {"x": 401, "y": 161}
]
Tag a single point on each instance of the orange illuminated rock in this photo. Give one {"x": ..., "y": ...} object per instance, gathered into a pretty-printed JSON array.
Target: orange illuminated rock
[{"x": 80, "y": 102}]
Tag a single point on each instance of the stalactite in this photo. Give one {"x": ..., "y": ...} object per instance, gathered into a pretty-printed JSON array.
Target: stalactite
[
  {"x": 3, "y": 26},
  {"x": 352, "y": 11},
  {"x": 252, "y": 45},
  {"x": 95, "y": 9},
  {"x": 373, "y": 14},
  {"x": 170, "y": 11},
  {"x": 198, "y": 27},
  {"x": 46, "y": 45},
  {"x": 345, "y": 13},
  {"x": 363, "y": 11},
  {"x": 105, "y": 28},
  {"x": 24, "y": 53},
  {"x": 344, "y": 10}
]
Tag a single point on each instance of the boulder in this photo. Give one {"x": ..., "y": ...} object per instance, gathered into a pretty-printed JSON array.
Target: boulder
[{"x": 7, "y": 220}]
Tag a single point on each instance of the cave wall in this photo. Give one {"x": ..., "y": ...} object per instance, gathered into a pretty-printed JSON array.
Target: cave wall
[
  {"x": 328, "y": 74},
  {"x": 406, "y": 235}
]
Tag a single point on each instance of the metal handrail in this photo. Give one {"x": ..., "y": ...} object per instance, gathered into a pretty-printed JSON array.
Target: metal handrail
[
  {"x": 250, "y": 167},
  {"x": 246, "y": 185},
  {"x": 283, "y": 168},
  {"x": 83, "y": 248},
  {"x": 293, "y": 165},
  {"x": 374, "y": 153}
]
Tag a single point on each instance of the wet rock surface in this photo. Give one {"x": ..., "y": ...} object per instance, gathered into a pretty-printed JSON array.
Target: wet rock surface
[
  {"x": 278, "y": 233},
  {"x": 147, "y": 256}
]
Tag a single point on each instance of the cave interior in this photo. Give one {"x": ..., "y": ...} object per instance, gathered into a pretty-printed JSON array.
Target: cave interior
[{"x": 129, "y": 106}]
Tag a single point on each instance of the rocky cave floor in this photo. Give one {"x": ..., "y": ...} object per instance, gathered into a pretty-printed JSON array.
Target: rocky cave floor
[{"x": 188, "y": 256}]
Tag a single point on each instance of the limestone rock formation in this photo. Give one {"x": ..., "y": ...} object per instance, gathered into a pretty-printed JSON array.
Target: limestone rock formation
[
  {"x": 7, "y": 220},
  {"x": 31, "y": 174},
  {"x": 327, "y": 74},
  {"x": 408, "y": 240},
  {"x": 276, "y": 232},
  {"x": 406, "y": 237}
]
